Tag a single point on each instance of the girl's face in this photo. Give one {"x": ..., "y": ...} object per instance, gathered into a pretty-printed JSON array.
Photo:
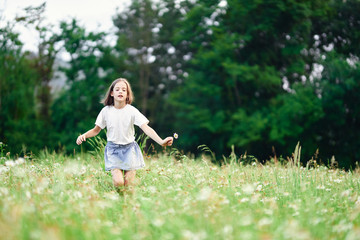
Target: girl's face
[{"x": 120, "y": 92}]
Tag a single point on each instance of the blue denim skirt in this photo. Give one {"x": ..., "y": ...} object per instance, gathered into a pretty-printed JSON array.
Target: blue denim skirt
[{"x": 124, "y": 157}]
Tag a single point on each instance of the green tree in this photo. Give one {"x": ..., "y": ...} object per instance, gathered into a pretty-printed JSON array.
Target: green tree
[
  {"x": 44, "y": 58},
  {"x": 338, "y": 130},
  {"x": 77, "y": 106},
  {"x": 18, "y": 125},
  {"x": 242, "y": 55}
]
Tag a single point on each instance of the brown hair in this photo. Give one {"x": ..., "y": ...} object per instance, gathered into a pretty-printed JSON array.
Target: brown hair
[{"x": 109, "y": 100}]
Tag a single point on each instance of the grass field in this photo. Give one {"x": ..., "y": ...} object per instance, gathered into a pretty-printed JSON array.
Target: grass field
[{"x": 59, "y": 197}]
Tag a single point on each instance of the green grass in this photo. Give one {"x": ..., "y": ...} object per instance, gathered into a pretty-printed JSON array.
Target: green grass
[{"x": 59, "y": 197}]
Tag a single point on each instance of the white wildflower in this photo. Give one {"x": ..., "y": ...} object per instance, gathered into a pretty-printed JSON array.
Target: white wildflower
[
  {"x": 20, "y": 161},
  {"x": 28, "y": 195},
  {"x": 248, "y": 189},
  {"x": 177, "y": 176},
  {"x": 294, "y": 231},
  {"x": 227, "y": 229},
  {"x": 19, "y": 172},
  {"x": 264, "y": 222},
  {"x": 345, "y": 193},
  {"x": 244, "y": 200},
  {"x": 358, "y": 201},
  {"x": 158, "y": 222},
  {"x": 194, "y": 236},
  {"x": 152, "y": 189},
  {"x": 259, "y": 188},
  {"x": 316, "y": 221},
  {"x": 204, "y": 194},
  {"x": 224, "y": 201},
  {"x": 77, "y": 194},
  {"x": 246, "y": 220},
  {"x": 107, "y": 223},
  {"x": 4, "y": 191},
  {"x": 10, "y": 163},
  {"x": 112, "y": 196},
  {"x": 4, "y": 169},
  {"x": 268, "y": 211},
  {"x": 255, "y": 198}
]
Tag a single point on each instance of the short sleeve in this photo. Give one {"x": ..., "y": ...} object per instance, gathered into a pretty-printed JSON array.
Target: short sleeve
[
  {"x": 140, "y": 119},
  {"x": 100, "y": 120}
]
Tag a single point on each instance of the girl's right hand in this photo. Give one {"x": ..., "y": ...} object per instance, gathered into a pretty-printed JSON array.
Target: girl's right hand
[
  {"x": 167, "y": 141},
  {"x": 80, "y": 139}
]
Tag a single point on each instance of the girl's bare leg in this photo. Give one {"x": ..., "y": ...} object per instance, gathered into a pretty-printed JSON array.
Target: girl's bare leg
[
  {"x": 130, "y": 179},
  {"x": 118, "y": 178}
]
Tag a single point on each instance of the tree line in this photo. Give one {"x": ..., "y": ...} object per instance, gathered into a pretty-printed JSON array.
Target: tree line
[{"x": 256, "y": 75}]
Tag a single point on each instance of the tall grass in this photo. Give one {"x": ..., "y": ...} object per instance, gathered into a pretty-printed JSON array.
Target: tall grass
[{"x": 60, "y": 197}]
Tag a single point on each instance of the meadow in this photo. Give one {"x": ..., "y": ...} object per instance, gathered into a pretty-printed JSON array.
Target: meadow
[{"x": 53, "y": 196}]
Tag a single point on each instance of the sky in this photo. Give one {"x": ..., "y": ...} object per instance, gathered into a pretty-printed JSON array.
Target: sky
[{"x": 94, "y": 15}]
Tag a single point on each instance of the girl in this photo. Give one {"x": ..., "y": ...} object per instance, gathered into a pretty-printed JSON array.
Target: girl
[{"x": 122, "y": 154}]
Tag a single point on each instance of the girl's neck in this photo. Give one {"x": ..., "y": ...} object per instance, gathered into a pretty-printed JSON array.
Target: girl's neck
[{"x": 119, "y": 105}]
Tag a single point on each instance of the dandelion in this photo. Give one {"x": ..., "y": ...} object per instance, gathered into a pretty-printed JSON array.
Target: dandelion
[{"x": 176, "y": 135}]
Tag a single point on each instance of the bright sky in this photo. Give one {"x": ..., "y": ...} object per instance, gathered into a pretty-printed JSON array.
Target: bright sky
[{"x": 94, "y": 15}]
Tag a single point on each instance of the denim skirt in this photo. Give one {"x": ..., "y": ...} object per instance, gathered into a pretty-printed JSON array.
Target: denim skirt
[{"x": 124, "y": 157}]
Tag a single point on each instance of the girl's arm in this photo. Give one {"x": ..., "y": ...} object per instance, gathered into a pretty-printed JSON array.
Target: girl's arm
[
  {"x": 91, "y": 133},
  {"x": 154, "y": 136}
]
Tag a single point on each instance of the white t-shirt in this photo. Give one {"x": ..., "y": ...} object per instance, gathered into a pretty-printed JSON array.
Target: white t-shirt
[{"x": 120, "y": 123}]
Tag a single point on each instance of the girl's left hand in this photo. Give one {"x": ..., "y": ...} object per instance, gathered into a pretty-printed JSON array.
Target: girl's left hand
[{"x": 167, "y": 141}]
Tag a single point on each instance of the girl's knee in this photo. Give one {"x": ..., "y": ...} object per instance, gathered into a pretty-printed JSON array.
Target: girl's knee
[
  {"x": 118, "y": 182},
  {"x": 118, "y": 178}
]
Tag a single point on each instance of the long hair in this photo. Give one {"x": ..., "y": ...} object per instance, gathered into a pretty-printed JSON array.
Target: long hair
[{"x": 109, "y": 100}]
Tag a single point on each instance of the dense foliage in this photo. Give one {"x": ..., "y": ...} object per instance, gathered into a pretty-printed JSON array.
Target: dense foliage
[{"x": 256, "y": 75}]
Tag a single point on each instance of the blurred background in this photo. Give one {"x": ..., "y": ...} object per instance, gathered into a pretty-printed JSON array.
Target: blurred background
[{"x": 258, "y": 76}]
